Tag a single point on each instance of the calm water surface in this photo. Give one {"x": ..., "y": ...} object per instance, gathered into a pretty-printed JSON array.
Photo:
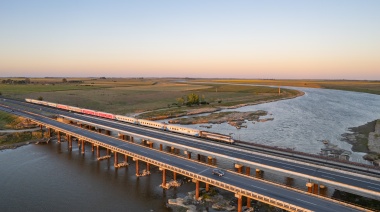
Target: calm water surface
[
  {"x": 49, "y": 178},
  {"x": 302, "y": 123}
]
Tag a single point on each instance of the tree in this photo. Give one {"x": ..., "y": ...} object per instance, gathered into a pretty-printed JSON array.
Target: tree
[
  {"x": 27, "y": 80},
  {"x": 64, "y": 80},
  {"x": 192, "y": 99},
  {"x": 40, "y": 98},
  {"x": 180, "y": 101},
  {"x": 1, "y": 93}
]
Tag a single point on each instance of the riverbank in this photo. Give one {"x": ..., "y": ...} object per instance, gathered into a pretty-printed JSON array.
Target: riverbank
[
  {"x": 188, "y": 111},
  {"x": 19, "y": 144},
  {"x": 11, "y": 139},
  {"x": 365, "y": 138}
]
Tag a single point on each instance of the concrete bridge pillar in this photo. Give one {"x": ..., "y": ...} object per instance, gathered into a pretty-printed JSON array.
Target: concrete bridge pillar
[
  {"x": 239, "y": 167},
  {"x": 258, "y": 173},
  {"x": 207, "y": 187},
  {"x": 322, "y": 190},
  {"x": 189, "y": 155},
  {"x": 289, "y": 181},
  {"x": 316, "y": 188},
  {"x": 172, "y": 149},
  {"x": 147, "y": 167},
  {"x": 40, "y": 126},
  {"x": 108, "y": 132},
  {"x": 143, "y": 142},
  {"x": 199, "y": 157},
  {"x": 160, "y": 147},
  {"x": 248, "y": 202},
  {"x": 116, "y": 160},
  {"x": 196, "y": 189},
  {"x": 81, "y": 125},
  {"x": 97, "y": 151},
  {"x": 137, "y": 167},
  {"x": 59, "y": 137},
  {"x": 209, "y": 160},
  {"x": 121, "y": 136},
  {"x": 70, "y": 142},
  {"x": 163, "y": 177},
  {"x": 310, "y": 187},
  {"x": 131, "y": 139},
  {"x": 99, "y": 130},
  {"x": 240, "y": 202},
  {"x": 92, "y": 147},
  {"x": 248, "y": 171},
  {"x": 49, "y": 132},
  {"x": 83, "y": 147},
  {"x": 89, "y": 127},
  {"x": 126, "y": 158},
  {"x": 174, "y": 176}
]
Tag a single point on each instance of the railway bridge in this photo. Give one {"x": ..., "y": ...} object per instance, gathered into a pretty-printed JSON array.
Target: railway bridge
[{"x": 238, "y": 183}]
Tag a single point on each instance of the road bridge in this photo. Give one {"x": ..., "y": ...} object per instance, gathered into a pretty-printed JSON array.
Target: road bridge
[
  {"x": 313, "y": 175},
  {"x": 239, "y": 184}
]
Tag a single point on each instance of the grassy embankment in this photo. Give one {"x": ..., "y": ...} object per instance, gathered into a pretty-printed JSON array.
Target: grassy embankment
[
  {"x": 7, "y": 122},
  {"x": 130, "y": 96},
  {"x": 372, "y": 87}
]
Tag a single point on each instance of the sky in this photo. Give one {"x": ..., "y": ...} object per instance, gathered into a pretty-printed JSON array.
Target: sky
[{"x": 265, "y": 39}]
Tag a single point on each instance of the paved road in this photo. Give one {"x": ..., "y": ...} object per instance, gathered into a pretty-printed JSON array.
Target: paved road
[
  {"x": 300, "y": 199},
  {"x": 370, "y": 186}
]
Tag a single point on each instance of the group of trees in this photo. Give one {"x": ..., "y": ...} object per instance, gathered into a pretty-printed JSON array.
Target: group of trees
[
  {"x": 10, "y": 81},
  {"x": 28, "y": 81},
  {"x": 191, "y": 99}
]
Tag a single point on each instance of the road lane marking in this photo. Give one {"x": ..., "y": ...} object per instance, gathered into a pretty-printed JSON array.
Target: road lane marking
[
  {"x": 190, "y": 166},
  {"x": 374, "y": 187},
  {"x": 328, "y": 177},
  {"x": 203, "y": 170},
  {"x": 287, "y": 167},
  {"x": 306, "y": 201},
  {"x": 165, "y": 158},
  {"x": 259, "y": 187}
]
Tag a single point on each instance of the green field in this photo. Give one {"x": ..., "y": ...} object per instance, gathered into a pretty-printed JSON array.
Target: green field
[
  {"x": 7, "y": 120},
  {"x": 131, "y": 96}
]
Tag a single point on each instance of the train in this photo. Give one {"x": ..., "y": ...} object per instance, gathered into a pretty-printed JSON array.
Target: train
[{"x": 142, "y": 122}]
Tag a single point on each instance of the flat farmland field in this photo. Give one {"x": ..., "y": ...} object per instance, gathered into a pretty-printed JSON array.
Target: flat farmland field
[{"x": 152, "y": 97}]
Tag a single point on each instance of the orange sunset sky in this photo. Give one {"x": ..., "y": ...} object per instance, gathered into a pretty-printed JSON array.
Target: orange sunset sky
[{"x": 335, "y": 39}]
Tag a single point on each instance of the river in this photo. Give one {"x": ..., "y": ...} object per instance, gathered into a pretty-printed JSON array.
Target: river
[
  {"x": 302, "y": 123},
  {"x": 50, "y": 178}
]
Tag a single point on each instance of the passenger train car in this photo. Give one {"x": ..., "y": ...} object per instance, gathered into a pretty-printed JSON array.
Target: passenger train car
[{"x": 142, "y": 122}]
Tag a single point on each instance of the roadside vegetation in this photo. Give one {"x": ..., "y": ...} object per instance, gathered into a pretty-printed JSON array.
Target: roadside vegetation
[
  {"x": 12, "y": 122},
  {"x": 8, "y": 121}
]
